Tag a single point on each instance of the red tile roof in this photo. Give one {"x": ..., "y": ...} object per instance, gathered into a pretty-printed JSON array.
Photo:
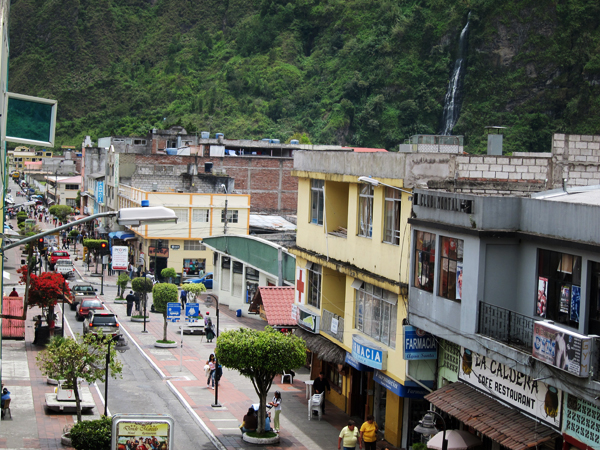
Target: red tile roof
[
  {"x": 277, "y": 302},
  {"x": 500, "y": 423}
]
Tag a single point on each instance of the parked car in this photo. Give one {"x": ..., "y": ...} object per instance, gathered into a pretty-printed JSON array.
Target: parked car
[
  {"x": 101, "y": 321},
  {"x": 86, "y": 305},
  {"x": 56, "y": 255},
  {"x": 65, "y": 267},
  {"x": 206, "y": 280},
  {"x": 81, "y": 291}
]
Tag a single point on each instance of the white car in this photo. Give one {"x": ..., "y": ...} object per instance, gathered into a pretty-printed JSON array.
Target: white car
[{"x": 65, "y": 267}]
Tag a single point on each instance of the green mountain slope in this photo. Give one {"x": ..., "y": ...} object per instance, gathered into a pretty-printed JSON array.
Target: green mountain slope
[{"x": 360, "y": 72}]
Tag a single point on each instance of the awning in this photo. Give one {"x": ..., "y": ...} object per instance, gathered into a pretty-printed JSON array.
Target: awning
[
  {"x": 322, "y": 347},
  {"x": 121, "y": 235},
  {"x": 500, "y": 423},
  {"x": 97, "y": 175}
]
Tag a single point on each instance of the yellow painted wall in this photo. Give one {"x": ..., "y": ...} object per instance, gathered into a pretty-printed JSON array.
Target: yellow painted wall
[
  {"x": 393, "y": 419},
  {"x": 333, "y": 288},
  {"x": 336, "y": 205}
]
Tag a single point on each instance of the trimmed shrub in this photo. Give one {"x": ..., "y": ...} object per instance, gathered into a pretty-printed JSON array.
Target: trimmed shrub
[{"x": 92, "y": 434}]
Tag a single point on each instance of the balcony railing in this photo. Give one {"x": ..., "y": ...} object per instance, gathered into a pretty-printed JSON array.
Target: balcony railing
[
  {"x": 506, "y": 326},
  {"x": 326, "y": 319}
]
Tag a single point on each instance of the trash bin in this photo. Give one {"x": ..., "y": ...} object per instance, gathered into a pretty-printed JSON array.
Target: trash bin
[{"x": 238, "y": 313}]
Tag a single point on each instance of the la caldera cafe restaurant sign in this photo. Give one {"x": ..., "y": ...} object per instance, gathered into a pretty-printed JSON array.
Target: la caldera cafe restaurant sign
[{"x": 535, "y": 398}]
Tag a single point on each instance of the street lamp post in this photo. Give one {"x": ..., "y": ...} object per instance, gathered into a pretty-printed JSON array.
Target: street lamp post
[
  {"x": 62, "y": 313},
  {"x": 121, "y": 349},
  {"x": 145, "y": 312},
  {"x": 427, "y": 426},
  {"x": 225, "y": 226},
  {"x": 216, "y": 404}
]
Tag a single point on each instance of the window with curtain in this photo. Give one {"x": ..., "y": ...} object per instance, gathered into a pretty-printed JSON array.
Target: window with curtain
[
  {"x": 365, "y": 210},
  {"x": 193, "y": 245},
  {"x": 424, "y": 260},
  {"x": 391, "y": 232},
  {"x": 317, "y": 199},
  {"x": 376, "y": 313},
  {"x": 451, "y": 268},
  {"x": 200, "y": 215},
  {"x": 232, "y": 216},
  {"x": 182, "y": 214}
]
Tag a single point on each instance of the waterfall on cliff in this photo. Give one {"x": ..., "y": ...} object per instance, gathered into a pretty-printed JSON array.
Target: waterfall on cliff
[{"x": 453, "y": 95}]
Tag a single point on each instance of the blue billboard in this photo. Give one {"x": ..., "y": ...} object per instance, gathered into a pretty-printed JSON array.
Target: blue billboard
[{"x": 418, "y": 344}]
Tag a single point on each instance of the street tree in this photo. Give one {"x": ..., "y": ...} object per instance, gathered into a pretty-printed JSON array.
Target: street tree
[
  {"x": 122, "y": 281},
  {"x": 168, "y": 272},
  {"x": 193, "y": 291},
  {"x": 45, "y": 290},
  {"x": 163, "y": 293},
  {"x": 94, "y": 245},
  {"x": 61, "y": 212},
  {"x": 71, "y": 359},
  {"x": 142, "y": 286},
  {"x": 260, "y": 355}
]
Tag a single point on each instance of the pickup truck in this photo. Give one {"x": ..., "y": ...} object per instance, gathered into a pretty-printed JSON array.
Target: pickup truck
[
  {"x": 56, "y": 255},
  {"x": 65, "y": 268}
]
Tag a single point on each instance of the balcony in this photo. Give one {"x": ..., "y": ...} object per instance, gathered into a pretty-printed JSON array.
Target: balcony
[
  {"x": 506, "y": 326},
  {"x": 326, "y": 319}
]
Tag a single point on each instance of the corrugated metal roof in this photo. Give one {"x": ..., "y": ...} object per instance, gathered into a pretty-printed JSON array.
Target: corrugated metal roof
[{"x": 271, "y": 222}]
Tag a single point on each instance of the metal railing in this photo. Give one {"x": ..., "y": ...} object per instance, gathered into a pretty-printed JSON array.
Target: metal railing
[
  {"x": 326, "y": 320},
  {"x": 506, "y": 326}
]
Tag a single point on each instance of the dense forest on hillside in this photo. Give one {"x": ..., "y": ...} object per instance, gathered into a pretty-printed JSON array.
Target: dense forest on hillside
[{"x": 360, "y": 72}]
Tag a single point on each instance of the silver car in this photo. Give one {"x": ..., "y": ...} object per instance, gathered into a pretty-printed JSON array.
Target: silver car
[{"x": 101, "y": 322}]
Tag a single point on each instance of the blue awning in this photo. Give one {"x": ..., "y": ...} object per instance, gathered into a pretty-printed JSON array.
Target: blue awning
[{"x": 120, "y": 235}]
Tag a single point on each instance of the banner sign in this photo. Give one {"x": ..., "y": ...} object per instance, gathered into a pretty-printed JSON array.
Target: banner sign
[
  {"x": 161, "y": 253},
  {"x": 562, "y": 349},
  {"x": 142, "y": 430},
  {"x": 514, "y": 388},
  {"x": 418, "y": 344},
  {"x": 581, "y": 420},
  {"x": 100, "y": 191},
  {"x": 308, "y": 320},
  {"x": 120, "y": 258},
  {"x": 369, "y": 354},
  {"x": 408, "y": 390}
]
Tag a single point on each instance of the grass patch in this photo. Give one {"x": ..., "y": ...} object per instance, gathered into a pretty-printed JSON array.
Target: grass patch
[
  {"x": 256, "y": 434},
  {"x": 140, "y": 316},
  {"x": 161, "y": 341}
]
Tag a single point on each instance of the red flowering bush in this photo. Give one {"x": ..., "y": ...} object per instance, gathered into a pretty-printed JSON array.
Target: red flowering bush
[{"x": 45, "y": 289}]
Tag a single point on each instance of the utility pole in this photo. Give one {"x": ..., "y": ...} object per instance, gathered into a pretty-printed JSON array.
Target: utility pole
[{"x": 225, "y": 226}]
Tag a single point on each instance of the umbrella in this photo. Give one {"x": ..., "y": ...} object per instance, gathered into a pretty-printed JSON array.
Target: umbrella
[{"x": 457, "y": 440}]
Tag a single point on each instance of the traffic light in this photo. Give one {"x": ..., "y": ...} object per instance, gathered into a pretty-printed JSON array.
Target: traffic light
[
  {"x": 103, "y": 248},
  {"x": 41, "y": 243}
]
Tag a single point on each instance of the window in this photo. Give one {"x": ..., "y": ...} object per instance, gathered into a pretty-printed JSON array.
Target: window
[
  {"x": 317, "y": 198},
  {"x": 200, "y": 215},
  {"x": 594, "y": 301},
  {"x": 71, "y": 187},
  {"x": 182, "y": 214},
  {"x": 139, "y": 142},
  {"x": 559, "y": 287},
  {"x": 163, "y": 243},
  {"x": 225, "y": 273},
  {"x": 424, "y": 260},
  {"x": 376, "y": 313},
  {"x": 365, "y": 210},
  {"x": 451, "y": 268},
  {"x": 72, "y": 202},
  {"x": 251, "y": 274},
  {"x": 48, "y": 154},
  {"x": 335, "y": 377},
  {"x": 314, "y": 286},
  {"x": 232, "y": 216},
  {"x": 391, "y": 232},
  {"x": 193, "y": 245}
]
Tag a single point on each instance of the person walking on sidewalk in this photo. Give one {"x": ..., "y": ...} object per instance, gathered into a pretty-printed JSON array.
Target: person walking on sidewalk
[
  {"x": 276, "y": 404},
  {"x": 183, "y": 297},
  {"x": 211, "y": 370},
  {"x": 349, "y": 436},
  {"x": 320, "y": 385},
  {"x": 209, "y": 331},
  {"x": 368, "y": 433},
  {"x": 130, "y": 301}
]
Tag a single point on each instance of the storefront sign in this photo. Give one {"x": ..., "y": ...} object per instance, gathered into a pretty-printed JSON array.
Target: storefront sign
[
  {"x": 406, "y": 390},
  {"x": 367, "y": 353},
  {"x": 449, "y": 361},
  {"x": 514, "y": 388},
  {"x": 136, "y": 430},
  {"x": 300, "y": 285},
  {"x": 161, "y": 253},
  {"x": 100, "y": 191},
  {"x": 418, "y": 344},
  {"x": 563, "y": 349},
  {"x": 581, "y": 420},
  {"x": 358, "y": 366},
  {"x": 308, "y": 320},
  {"x": 120, "y": 258}
]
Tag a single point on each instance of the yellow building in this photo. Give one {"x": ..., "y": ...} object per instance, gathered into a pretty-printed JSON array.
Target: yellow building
[
  {"x": 19, "y": 156},
  {"x": 199, "y": 215},
  {"x": 352, "y": 264}
]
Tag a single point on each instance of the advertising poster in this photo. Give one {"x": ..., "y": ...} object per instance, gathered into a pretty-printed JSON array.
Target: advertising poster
[
  {"x": 542, "y": 296},
  {"x": 521, "y": 391},
  {"x": 565, "y": 299},
  {"x": 459, "y": 275},
  {"x": 581, "y": 420},
  {"x": 559, "y": 348},
  {"x": 134, "y": 435},
  {"x": 575, "y": 300},
  {"x": 120, "y": 258}
]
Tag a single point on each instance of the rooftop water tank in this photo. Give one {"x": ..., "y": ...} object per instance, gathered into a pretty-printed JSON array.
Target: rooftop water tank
[
  {"x": 295, "y": 142},
  {"x": 171, "y": 151},
  {"x": 145, "y": 203},
  {"x": 274, "y": 141},
  {"x": 266, "y": 140},
  {"x": 205, "y": 135},
  {"x": 220, "y": 136}
]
